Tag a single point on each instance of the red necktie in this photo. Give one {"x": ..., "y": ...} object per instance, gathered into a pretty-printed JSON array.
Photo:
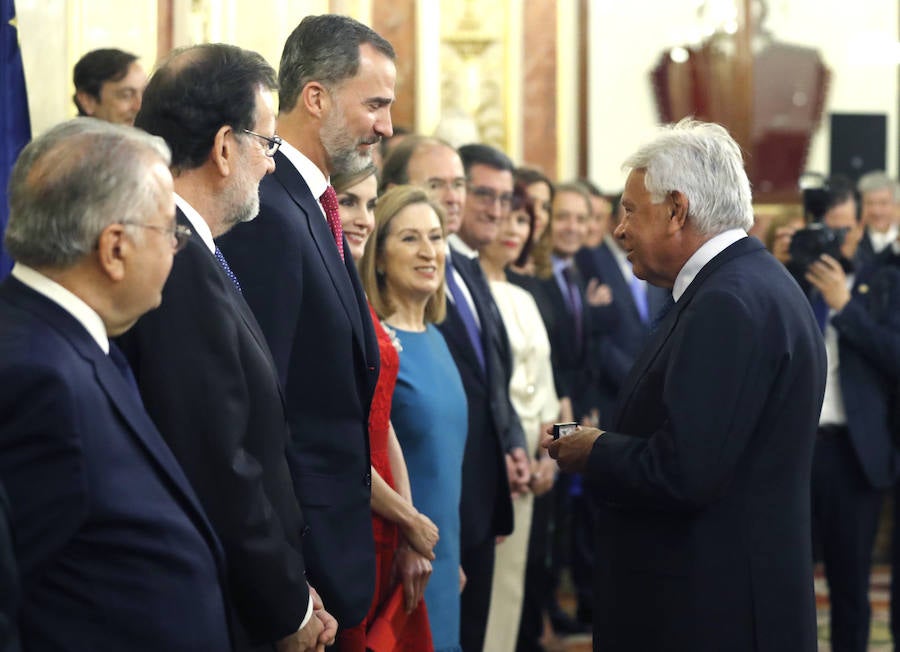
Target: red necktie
[{"x": 330, "y": 204}]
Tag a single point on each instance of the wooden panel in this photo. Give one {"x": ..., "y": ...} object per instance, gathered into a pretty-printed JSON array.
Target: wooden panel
[
  {"x": 395, "y": 20},
  {"x": 539, "y": 70}
]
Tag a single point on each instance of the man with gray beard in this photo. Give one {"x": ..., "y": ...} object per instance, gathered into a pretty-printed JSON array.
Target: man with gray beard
[
  {"x": 336, "y": 88},
  {"x": 206, "y": 375}
]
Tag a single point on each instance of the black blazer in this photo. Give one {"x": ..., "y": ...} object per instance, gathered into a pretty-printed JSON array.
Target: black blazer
[
  {"x": 209, "y": 383},
  {"x": 485, "y": 504},
  {"x": 113, "y": 547},
  {"x": 9, "y": 580},
  {"x": 869, "y": 354},
  {"x": 315, "y": 317},
  {"x": 706, "y": 472}
]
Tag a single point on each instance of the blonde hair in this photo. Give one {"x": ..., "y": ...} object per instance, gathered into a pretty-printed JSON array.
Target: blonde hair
[{"x": 387, "y": 208}]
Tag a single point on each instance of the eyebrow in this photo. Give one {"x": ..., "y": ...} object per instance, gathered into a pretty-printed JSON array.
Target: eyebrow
[{"x": 381, "y": 101}]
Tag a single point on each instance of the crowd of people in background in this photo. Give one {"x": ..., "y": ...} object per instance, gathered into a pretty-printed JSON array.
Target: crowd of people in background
[{"x": 264, "y": 390}]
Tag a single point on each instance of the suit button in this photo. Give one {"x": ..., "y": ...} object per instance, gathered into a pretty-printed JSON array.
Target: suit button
[
  {"x": 305, "y": 531},
  {"x": 367, "y": 479}
]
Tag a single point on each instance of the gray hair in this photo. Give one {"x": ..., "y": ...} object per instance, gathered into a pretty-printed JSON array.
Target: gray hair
[
  {"x": 701, "y": 160},
  {"x": 878, "y": 180},
  {"x": 74, "y": 181},
  {"x": 323, "y": 49}
]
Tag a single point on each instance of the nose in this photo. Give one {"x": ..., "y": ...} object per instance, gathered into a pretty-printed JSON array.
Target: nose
[
  {"x": 619, "y": 231},
  {"x": 427, "y": 249},
  {"x": 383, "y": 125}
]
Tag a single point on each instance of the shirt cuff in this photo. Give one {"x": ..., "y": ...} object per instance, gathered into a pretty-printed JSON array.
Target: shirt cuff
[{"x": 309, "y": 613}]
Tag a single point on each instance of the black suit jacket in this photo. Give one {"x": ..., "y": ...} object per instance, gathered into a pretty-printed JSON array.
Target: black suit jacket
[
  {"x": 485, "y": 504},
  {"x": 113, "y": 547},
  {"x": 9, "y": 580},
  {"x": 314, "y": 314},
  {"x": 869, "y": 357},
  {"x": 706, "y": 472},
  {"x": 209, "y": 383},
  {"x": 618, "y": 348}
]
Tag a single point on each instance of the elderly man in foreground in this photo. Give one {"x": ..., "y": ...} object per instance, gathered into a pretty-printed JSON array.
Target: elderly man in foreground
[{"x": 704, "y": 479}]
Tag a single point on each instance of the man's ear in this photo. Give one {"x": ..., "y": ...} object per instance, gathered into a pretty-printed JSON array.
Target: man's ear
[
  {"x": 87, "y": 102},
  {"x": 114, "y": 248},
  {"x": 678, "y": 210},
  {"x": 315, "y": 99},
  {"x": 224, "y": 150}
]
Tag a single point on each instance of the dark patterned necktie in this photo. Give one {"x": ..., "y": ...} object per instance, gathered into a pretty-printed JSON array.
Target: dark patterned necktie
[
  {"x": 329, "y": 202},
  {"x": 228, "y": 272},
  {"x": 465, "y": 312}
]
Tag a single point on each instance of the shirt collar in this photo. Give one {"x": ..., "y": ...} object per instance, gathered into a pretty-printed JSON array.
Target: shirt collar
[
  {"x": 460, "y": 247},
  {"x": 880, "y": 240},
  {"x": 65, "y": 299},
  {"x": 707, "y": 251},
  {"x": 310, "y": 172},
  {"x": 559, "y": 264},
  {"x": 198, "y": 224}
]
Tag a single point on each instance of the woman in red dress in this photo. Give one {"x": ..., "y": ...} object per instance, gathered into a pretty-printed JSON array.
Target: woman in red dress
[{"x": 404, "y": 537}]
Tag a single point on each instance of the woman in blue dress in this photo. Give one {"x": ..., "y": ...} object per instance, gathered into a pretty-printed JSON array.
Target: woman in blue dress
[{"x": 403, "y": 274}]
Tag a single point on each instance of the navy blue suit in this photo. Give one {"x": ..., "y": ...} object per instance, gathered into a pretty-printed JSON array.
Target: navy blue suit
[
  {"x": 856, "y": 462},
  {"x": 9, "y": 580},
  {"x": 311, "y": 307},
  {"x": 706, "y": 471},
  {"x": 617, "y": 349},
  {"x": 114, "y": 550}
]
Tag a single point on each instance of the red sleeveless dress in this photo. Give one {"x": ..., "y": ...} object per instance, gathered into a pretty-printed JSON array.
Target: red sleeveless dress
[{"x": 386, "y": 627}]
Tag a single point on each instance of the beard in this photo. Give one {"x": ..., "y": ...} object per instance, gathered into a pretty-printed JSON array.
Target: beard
[
  {"x": 242, "y": 199},
  {"x": 342, "y": 146}
]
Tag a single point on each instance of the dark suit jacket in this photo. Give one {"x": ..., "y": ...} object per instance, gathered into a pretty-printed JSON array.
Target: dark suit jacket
[
  {"x": 485, "y": 504},
  {"x": 314, "y": 314},
  {"x": 869, "y": 357},
  {"x": 706, "y": 471},
  {"x": 9, "y": 580},
  {"x": 617, "y": 349},
  {"x": 209, "y": 383},
  {"x": 113, "y": 547}
]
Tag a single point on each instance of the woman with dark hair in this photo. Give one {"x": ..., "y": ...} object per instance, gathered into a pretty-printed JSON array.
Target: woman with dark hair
[
  {"x": 538, "y": 191},
  {"x": 404, "y": 537},
  {"x": 533, "y": 395},
  {"x": 402, "y": 272}
]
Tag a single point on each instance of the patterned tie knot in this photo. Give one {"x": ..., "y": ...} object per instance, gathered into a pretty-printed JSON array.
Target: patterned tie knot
[{"x": 329, "y": 203}]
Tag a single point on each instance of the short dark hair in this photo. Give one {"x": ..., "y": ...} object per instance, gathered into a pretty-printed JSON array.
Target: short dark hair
[
  {"x": 197, "y": 91},
  {"x": 592, "y": 189},
  {"x": 836, "y": 190},
  {"x": 481, "y": 154},
  {"x": 97, "y": 67},
  {"x": 324, "y": 49}
]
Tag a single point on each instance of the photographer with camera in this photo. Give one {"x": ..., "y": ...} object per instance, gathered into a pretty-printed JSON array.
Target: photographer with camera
[{"x": 855, "y": 458}]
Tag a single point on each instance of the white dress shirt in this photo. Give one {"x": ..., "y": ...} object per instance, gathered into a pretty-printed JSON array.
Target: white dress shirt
[
  {"x": 310, "y": 172},
  {"x": 707, "y": 251}
]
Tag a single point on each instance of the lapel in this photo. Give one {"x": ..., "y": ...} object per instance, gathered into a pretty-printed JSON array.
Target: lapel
[
  {"x": 667, "y": 325},
  {"x": 123, "y": 399},
  {"x": 339, "y": 271}
]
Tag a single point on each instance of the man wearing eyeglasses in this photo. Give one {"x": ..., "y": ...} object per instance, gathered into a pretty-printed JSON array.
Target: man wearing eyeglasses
[
  {"x": 204, "y": 369},
  {"x": 113, "y": 548}
]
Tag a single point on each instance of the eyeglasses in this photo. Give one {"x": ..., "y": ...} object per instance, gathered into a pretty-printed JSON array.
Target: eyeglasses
[
  {"x": 180, "y": 233},
  {"x": 272, "y": 144},
  {"x": 487, "y": 197}
]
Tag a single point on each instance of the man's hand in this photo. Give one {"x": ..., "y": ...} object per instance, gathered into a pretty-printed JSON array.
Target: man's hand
[
  {"x": 519, "y": 471},
  {"x": 781, "y": 245},
  {"x": 827, "y": 275},
  {"x": 571, "y": 451},
  {"x": 413, "y": 571},
  {"x": 422, "y": 534},
  {"x": 307, "y": 638},
  {"x": 329, "y": 623},
  {"x": 462, "y": 579},
  {"x": 597, "y": 294},
  {"x": 543, "y": 474}
]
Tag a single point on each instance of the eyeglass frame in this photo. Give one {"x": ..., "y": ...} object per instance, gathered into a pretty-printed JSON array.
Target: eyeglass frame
[
  {"x": 489, "y": 197},
  {"x": 180, "y": 233},
  {"x": 274, "y": 143}
]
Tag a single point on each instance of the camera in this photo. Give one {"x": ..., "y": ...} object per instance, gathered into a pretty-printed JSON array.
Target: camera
[
  {"x": 563, "y": 429},
  {"x": 808, "y": 244}
]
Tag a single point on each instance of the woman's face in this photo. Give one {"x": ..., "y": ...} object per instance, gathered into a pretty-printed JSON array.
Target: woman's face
[
  {"x": 539, "y": 195},
  {"x": 511, "y": 237},
  {"x": 412, "y": 258},
  {"x": 357, "y": 208}
]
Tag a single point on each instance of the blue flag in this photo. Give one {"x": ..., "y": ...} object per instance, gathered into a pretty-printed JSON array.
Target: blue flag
[{"x": 15, "y": 126}]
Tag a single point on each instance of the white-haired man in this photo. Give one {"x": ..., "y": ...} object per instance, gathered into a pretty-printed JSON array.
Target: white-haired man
[{"x": 705, "y": 472}]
